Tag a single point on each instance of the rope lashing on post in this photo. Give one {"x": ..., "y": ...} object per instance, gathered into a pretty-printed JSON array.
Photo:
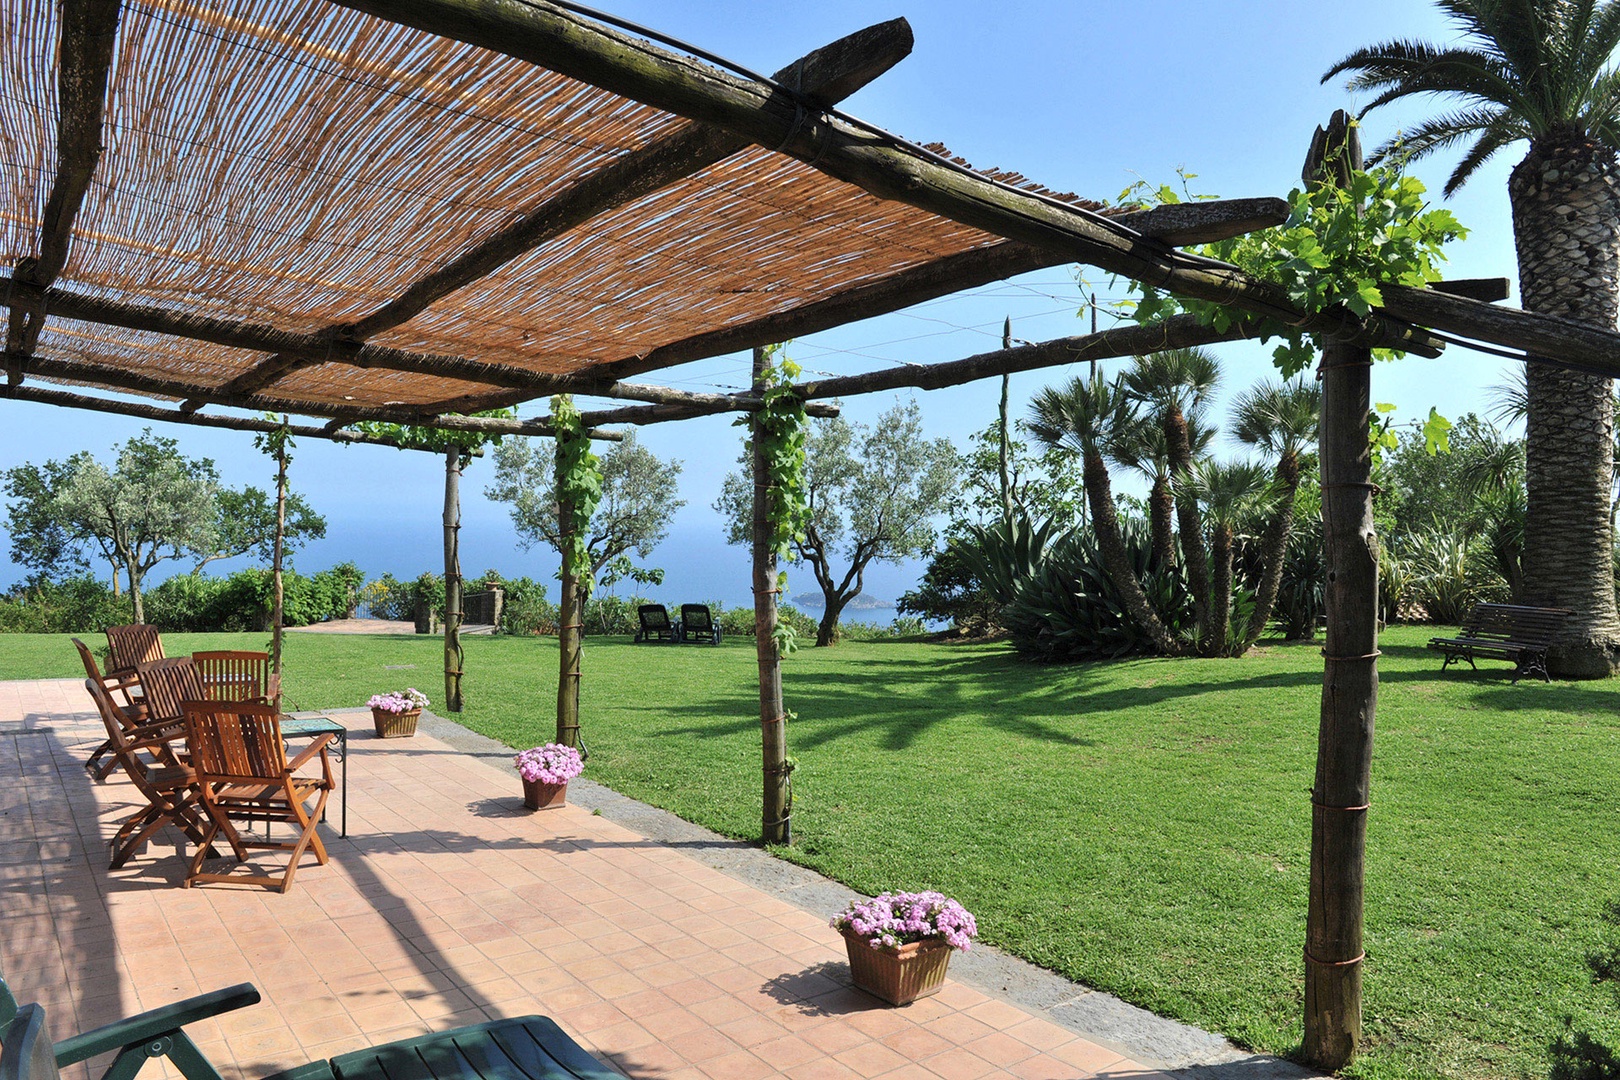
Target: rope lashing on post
[
  {"x": 1358, "y": 958},
  {"x": 1375, "y": 654}
]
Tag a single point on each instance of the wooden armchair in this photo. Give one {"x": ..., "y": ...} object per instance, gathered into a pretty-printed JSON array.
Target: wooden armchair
[
  {"x": 131, "y": 645},
  {"x": 132, "y": 709},
  {"x": 243, "y": 771},
  {"x": 236, "y": 675},
  {"x": 169, "y": 788},
  {"x": 166, "y": 684}
]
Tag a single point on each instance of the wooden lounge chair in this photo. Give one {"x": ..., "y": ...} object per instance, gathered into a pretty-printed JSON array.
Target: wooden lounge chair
[
  {"x": 238, "y": 675},
  {"x": 243, "y": 771},
  {"x": 656, "y": 626},
  {"x": 133, "y": 709},
  {"x": 131, "y": 645},
  {"x": 523, "y": 1048},
  {"x": 698, "y": 626},
  {"x": 169, "y": 788}
]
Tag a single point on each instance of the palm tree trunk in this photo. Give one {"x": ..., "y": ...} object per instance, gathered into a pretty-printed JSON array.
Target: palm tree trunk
[
  {"x": 1566, "y": 225},
  {"x": 1161, "y": 518},
  {"x": 1273, "y": 546},
  {"x": 1105, "y": 522},
  {"x": 1220, "y": 600},
  {"x": 1179, "y": 448}
]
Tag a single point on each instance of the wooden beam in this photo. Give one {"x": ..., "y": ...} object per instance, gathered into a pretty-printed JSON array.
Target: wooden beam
[
  {"x": 1547, "y": 338},
  {"x": 555, "y": 38},
  {"x": 827, "y": 75},
  {"x": 1204, "y": 222},
  {"x": 1487, "y": 289},
  {"x": 171, "y": 416},
  {"x": 89, "y": 31}
]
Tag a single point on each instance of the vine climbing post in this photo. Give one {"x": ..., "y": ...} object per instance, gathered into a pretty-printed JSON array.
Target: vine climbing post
[
  {"x": 1339, "y": 797},
  {"x": 453, "y": 655},
  {"x": 277, "y": 443},
  {"x": 579, "y": 489},
  {"x": 777, "y": 457}
]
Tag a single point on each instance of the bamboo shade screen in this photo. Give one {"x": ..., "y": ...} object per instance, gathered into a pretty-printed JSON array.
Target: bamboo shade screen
[{"x": 298, "y": 164}]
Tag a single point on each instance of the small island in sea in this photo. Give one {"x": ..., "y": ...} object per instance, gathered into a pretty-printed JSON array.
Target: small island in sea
[{"x": 863, "y": 602}]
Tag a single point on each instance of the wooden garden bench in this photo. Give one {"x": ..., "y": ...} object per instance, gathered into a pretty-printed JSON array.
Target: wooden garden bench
[
  {"x": 1505, "y": 632},
  {"x": 524, "y": 1048}
]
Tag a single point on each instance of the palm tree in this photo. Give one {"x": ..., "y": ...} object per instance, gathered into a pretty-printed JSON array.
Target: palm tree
[
  {"x": 1176, "y": 386},
  {"x": 1230, "y": 494},
  {"x": 1281, "y": 421},
  {"x": 1539, "y": 71},
  {"x": 1141, "y": 446},
  {"x": 1082, "y": 418}
]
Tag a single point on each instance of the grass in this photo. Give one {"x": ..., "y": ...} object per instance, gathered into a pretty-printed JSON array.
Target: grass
[{"x": 1140, "y": 826}]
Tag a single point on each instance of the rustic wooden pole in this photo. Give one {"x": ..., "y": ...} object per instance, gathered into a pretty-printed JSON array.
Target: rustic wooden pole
[
  {"x": 777, "y": 814},
  {"x": 1004, "y": 447},
  {"x": 452, "y": 579},
  {"x": 1339, "y": 797},
  {"x": 570, "y": 620},
  {"x": 277, "y": 553}
]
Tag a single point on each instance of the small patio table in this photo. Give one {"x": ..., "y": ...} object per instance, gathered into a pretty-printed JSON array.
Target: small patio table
[{"x": 309, "y": 726}]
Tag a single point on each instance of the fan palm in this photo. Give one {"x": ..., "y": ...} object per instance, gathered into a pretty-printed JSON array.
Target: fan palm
[
  {"x": 1141, "y": 446},
  {"x": 1280, "y": 420},
  {"x": 1083, "y": 417},
  {"x": 1230, "y": 493},
  {"x": 1540, "y": 71},
  {"x": 1176, "y": 385}
]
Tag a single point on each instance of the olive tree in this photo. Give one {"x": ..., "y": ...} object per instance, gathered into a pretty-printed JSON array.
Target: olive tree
[
  {"x": 873, "y": 493},
  {"x": 637, "y": 497}
]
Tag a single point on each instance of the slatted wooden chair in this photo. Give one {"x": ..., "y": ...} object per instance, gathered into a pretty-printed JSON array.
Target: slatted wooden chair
[
  {"x": 167, "y": 684},
  {"x": 132, "y": 708},
  {"x": 521, "y": 1048},
  {"x": 170, "y": 789},
  {"x": 243, "y": 772},
  {"x": 238, "y": 675},
  {"x": 131, "y": 645}
]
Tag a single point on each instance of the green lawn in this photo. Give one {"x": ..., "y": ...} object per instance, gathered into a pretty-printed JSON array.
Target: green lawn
[{"x": 1141, "y": 826}]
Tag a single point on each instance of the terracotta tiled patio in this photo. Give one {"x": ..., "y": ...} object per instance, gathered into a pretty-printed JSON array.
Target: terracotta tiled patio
[{"x": 449, "y": 904}]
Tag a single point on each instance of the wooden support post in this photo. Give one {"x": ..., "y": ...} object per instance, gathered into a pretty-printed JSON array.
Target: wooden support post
[
  {"x": 1339, "y": 797},
  {"x": 276, "y": 555},
  {"x": 452, "y": 579},
  {"x": 777, "y": 813},
  {"x": 570, "y": 620}
]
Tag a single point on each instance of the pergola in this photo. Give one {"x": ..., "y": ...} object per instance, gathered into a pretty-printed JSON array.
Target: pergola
[{"x": 414, "y": 210}]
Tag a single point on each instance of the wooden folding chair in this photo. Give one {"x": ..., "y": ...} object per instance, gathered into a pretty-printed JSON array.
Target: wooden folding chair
[
  {"x": 133, "y": 709},
  {"x": 170, "y": 789},
  {"x": 166, "y": 684},
  {"x": 238, "y": 675},
  {"x": 131, "y": 645},
  {"x": 243, "y": 772}
]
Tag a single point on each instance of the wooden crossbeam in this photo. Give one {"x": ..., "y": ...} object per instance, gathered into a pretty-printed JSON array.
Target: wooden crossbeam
[
  {"x": 563, "y": 41},
  {"x": 827, "y": 75},
  {"x": 173, "y": 416},
  {"x": 89, "y": 31}
]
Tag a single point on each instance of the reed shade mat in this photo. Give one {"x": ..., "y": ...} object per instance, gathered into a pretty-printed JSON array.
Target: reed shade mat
[{"x": 314, "y": 162}]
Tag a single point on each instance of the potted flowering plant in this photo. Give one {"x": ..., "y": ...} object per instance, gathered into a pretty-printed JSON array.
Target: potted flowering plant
[
  {"x": 900, "y": 943},
  {"x": 546, "y": 771},
  {"x": 395, "y": 713}
]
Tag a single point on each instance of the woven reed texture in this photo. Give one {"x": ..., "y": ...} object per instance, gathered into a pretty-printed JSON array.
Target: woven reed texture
[{"x": 298, "y": 164}]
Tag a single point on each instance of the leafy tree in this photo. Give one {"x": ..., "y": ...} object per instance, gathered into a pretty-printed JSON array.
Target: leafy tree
[
  {"x": 872, "y": 496},
  {"x": 1043, "y": 486},
  {"x": 1540, "y": 71},
  {"x": 152, "y": 506},
  {"x": 1281, "y": 420},
  {"x": 245, "y": 523},
  {"x": 634, "y": 514}
]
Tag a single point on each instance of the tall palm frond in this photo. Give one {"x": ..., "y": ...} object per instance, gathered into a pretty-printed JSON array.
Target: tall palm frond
[
  {"x": 1278, "y": 419},
  {"x": 1527, "y": 69}
]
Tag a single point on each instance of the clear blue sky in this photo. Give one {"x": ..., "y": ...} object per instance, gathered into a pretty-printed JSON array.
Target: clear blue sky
[{"x": 1081, "y": 97}]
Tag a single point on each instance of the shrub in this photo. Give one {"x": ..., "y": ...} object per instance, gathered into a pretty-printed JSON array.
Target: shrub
[
  {"x": 77, "y": 605},
  {"x": 951, "y": 592},
  {"x": 1070, "y": 609},
  {"x": 527, "y": 609},
  {"x": 1450, "y": 574},
  {"x": 902, "y": 626},
  {"x": 608, "y": 615},
  {"x": 739, "y": 621},
  {"x": 186, "y": 603}
]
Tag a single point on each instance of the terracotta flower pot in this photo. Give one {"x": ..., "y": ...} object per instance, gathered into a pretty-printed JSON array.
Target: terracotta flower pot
[
  {"x": 395, "y": 725},
  {"x": 901, "y": 974},
  {"x": 538, "y": 795}
]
